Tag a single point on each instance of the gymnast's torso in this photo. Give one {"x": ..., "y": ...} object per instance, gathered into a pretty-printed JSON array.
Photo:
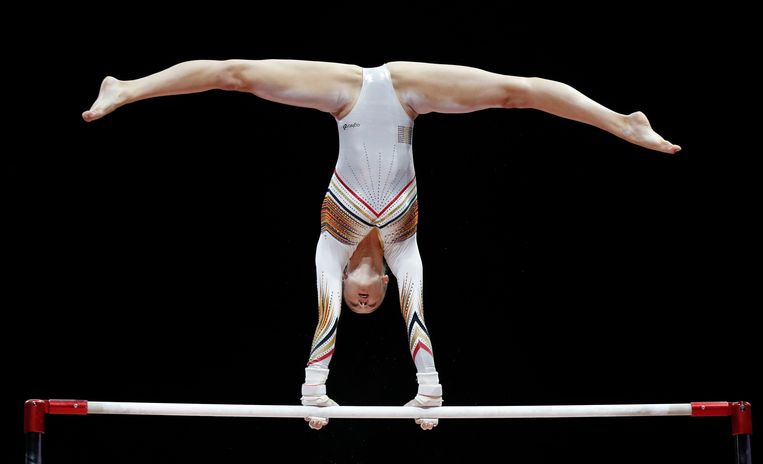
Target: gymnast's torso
[
  {"x": 373, "y": 188},
  {"x": 374, "y": 182}
]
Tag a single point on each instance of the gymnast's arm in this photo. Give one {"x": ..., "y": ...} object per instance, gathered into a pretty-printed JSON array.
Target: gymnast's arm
[
  {"x": 329, "y": 87},
  {"x": 425, "y": 88}
]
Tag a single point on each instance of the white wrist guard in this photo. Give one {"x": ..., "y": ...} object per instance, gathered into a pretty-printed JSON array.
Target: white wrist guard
[
  {"x": 429, "y": 384},
  {"x": 314, "y": 388},
  {"x": 430, "y": 390},
  {"x": 316, "y": 375},
  {"x": 321, "y": 400}
]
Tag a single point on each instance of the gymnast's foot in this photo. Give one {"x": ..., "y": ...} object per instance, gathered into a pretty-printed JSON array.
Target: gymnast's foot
[
  {"x": 638, "y": 130},
  {"x": 111, "y": 97}
]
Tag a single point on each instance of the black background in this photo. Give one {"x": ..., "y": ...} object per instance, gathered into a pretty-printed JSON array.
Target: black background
[{"x": 165, "y": 253}]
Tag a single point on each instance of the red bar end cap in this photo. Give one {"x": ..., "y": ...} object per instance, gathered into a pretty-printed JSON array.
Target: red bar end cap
[
  {"x": 34, "y": 416},
  {"x": 741, "y": 418}
]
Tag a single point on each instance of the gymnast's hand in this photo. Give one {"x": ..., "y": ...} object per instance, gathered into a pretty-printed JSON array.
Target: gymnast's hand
[
  {"x": 317, "y": 422},
  {"x": 422, "y": 401},
  {"x": 429, "y": 395},
  {"x": 314, "y": 394}
]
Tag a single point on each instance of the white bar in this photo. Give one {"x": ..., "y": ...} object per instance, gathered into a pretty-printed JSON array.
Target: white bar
[{"x": 390, "y": 412}]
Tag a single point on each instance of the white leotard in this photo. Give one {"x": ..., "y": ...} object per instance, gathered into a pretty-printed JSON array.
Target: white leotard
[{"x": 373, "y": 186}]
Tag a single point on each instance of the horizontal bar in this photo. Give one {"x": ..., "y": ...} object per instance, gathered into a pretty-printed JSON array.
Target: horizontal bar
[{"x": 390, "y": 412}]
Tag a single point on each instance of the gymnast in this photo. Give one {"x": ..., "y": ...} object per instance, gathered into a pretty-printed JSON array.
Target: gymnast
[{"x": 370, "y": 212}]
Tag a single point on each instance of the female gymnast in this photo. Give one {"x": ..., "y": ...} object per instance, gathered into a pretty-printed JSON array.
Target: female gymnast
[{"x": 370, "y": 211}]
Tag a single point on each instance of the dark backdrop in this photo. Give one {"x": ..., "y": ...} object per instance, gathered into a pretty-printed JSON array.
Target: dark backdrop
[{"x": 165, "y": 253}]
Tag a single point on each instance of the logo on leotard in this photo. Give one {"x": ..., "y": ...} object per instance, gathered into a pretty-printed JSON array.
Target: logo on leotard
[{"x": 348, "y": 126}]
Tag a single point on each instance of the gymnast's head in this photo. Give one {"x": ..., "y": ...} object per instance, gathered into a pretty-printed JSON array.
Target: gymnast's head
[{"x": 364, "y": 288}]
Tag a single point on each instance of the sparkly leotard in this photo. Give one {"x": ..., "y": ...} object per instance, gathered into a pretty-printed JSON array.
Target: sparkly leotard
[{"x": 373, "y": 186}]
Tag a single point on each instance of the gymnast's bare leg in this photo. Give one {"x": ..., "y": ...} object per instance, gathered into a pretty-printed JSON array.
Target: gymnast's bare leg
[{"x": 421, "y": 87}]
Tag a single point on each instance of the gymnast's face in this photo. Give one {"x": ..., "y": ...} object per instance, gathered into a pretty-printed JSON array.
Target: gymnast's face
[{"x": 364, "y": 290}]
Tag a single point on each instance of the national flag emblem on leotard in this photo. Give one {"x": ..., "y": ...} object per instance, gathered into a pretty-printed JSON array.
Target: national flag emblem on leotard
[{"x": 404, "y": 134}]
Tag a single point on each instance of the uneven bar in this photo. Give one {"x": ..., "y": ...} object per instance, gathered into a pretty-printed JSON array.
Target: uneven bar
[
  {"x": 390, "y": 412},
  {"x": 739, "y": 411}
]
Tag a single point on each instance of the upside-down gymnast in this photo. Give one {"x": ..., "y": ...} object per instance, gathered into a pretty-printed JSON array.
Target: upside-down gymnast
[{"x": 370, "y": 211}]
